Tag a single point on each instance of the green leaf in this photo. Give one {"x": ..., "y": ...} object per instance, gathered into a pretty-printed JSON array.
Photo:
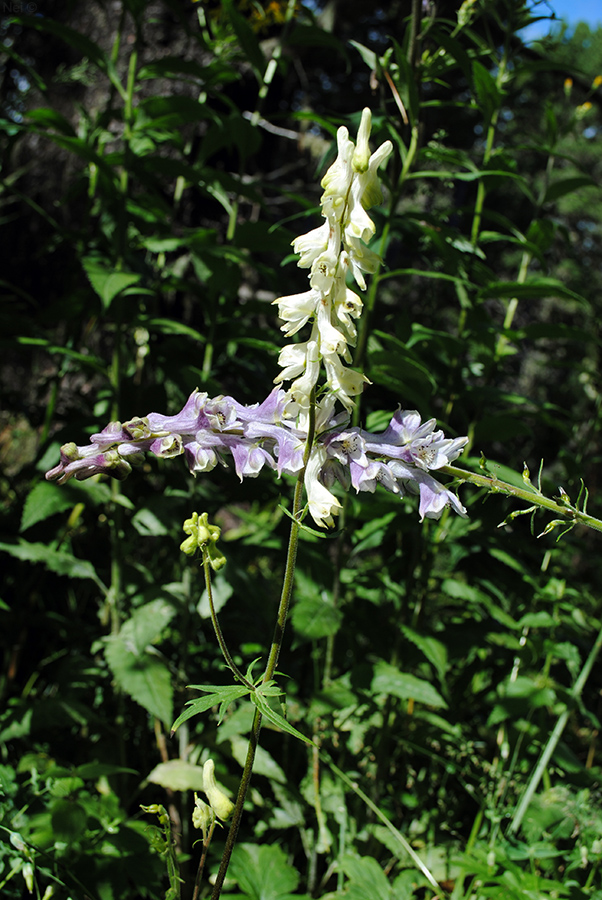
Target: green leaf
[
  {"x": 54, "y": 560},
  {"x": 68, "y": 821},
  {"x": 315, "y": 616},
  {"x": 369, "y": 56},
  {"x": 488, "y": 96},
  {"x": 434, "y": 650},
  {"x": 247, "y": 39},
  {"x": 105, "y": 280},
  {"x": 222, "y": 591},
  {"x": 50, "y": 118},
  {"x": 171, "y": 326},
  {"x": 567, "y": 186},
  {"x": 528, "y": 290},
  {"x": 140, "y": 673},
  {"x": 263, "y": 764},
  {"x": 145, "y": 678},
  {"x": 366, "y": 879},
  {"x": 389, "y": 680},
  {"x": 78, "y": 41},
  {"x": 177, "y": 775},
  {"x": 148, "y": 524},
  {"x": 146, "y": 624}
]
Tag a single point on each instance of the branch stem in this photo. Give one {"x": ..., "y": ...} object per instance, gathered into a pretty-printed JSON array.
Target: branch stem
[{"x": 532, "y": 496}]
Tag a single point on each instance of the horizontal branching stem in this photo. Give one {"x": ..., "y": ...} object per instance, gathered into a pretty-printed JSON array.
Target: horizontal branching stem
[{"x": 529, "y": 495}]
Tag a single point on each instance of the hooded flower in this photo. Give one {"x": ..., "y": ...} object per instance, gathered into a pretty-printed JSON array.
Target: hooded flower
[{"x": 330, "y": 252}]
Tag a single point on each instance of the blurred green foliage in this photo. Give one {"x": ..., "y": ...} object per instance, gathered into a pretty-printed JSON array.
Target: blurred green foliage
[{"x": 157, "y": 160}]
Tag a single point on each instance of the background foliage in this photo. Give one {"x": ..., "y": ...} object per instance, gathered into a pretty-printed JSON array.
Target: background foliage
[{"x": 157, "y": 160}]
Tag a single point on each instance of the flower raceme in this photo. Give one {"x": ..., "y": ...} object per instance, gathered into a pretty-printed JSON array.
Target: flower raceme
[
  {"x": 207, "y": 432},
  {"x": 330, "y": 251}
]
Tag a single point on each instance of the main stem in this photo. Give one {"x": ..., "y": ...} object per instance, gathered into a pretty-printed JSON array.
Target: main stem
[{"x": 283, "y": 608}]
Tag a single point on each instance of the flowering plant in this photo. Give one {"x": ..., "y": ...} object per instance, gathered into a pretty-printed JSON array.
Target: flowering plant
[{"x": 275, "y": 433}]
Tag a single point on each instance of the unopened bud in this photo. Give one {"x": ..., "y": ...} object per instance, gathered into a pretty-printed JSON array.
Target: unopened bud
[{"x": 202, "y": 816}]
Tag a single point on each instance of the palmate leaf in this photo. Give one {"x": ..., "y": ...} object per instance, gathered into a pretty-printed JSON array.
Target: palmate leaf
[
  {"x": 263, "y": 873},
  {"x": 223, "y": 695}
]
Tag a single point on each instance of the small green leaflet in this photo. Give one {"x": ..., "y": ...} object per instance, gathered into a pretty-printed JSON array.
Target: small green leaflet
[{"x": 259, "y": 699}]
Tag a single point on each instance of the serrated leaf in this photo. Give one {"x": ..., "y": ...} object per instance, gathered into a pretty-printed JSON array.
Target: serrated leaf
[
  {"x": 145, "y": 678},
  {"x": 146, "y": 624},
  {"x": 44, "y": 500},
  {"x": 389, "y": 680},
  {"x": 54, "y": 560},
  {"x": 316, "y": 616},
  {"x": 366, "y": 879},
  {"x": 139, "y": 673}
]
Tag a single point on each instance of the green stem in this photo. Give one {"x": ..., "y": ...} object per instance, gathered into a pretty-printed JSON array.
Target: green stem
[
  {"x": 216, "y": 626},
  {"x": 283, "y": 608},
  {"x": 535, "y": 498},
  {"x": 199, "y": 874},
  {"x": 554, "y": 738}
]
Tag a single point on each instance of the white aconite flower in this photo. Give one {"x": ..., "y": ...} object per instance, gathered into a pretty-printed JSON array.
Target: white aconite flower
[
  {"x": 296, "y": 310},
  {"x": 301, "y": 388},
  {"x": 292, "y": 358},
  {"x": 331, "y": 251},
  {"x": 310, "y": 245},
  {"x": 323, "y": 270},
  {"x": 321, "y": 503}
]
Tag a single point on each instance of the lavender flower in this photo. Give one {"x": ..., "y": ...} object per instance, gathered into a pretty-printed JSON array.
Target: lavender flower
[{"x": 207, "y": 431}]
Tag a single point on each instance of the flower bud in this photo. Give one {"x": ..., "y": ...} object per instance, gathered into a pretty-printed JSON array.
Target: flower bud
[
  {"x": 202, "y": 816},
  {"x": 201, "y": 533}
]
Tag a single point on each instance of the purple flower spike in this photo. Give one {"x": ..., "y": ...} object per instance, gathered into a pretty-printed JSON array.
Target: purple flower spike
[{"x": 206, "y": 431}]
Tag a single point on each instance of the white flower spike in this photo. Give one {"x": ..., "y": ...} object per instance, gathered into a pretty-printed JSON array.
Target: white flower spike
[{"x": 330, "y": 251}]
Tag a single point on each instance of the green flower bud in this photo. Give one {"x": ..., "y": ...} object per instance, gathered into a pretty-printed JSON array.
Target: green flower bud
[{"x": 201, "y": 533}]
